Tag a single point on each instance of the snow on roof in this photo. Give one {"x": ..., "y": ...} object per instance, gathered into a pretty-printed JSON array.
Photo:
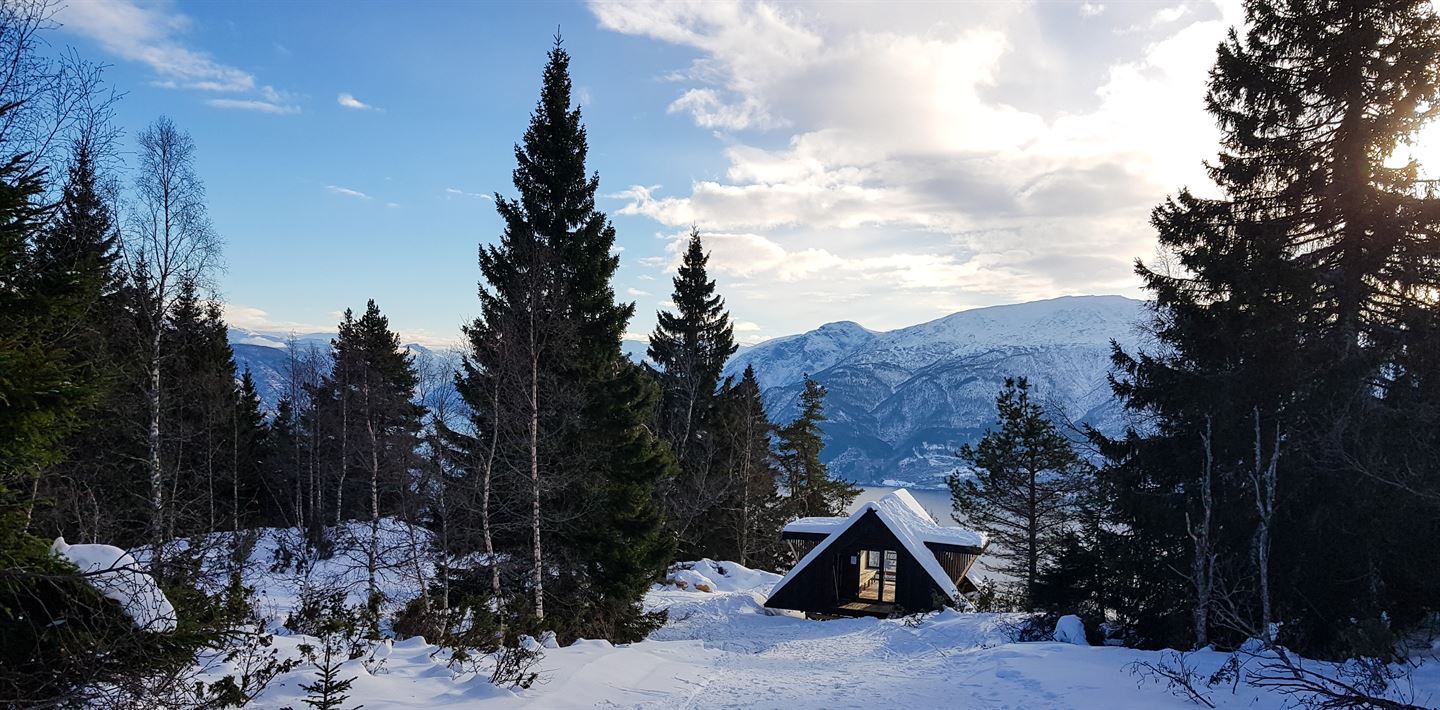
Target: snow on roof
[
  {"x": 823, "y": 526},
  {"x": 902, "y": 507},
  {"x": 907, "y": 520},
  {"x": 115, "y": 574}
]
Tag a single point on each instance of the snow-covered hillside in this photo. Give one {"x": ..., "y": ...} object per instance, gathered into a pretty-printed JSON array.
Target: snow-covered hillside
[
  {"x": 902, "y": 402},
  {"x": 722, "y": 649}
]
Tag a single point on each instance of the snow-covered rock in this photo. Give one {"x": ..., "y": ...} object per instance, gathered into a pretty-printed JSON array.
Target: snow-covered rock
[
  {"x": 707, "y": 575},
  {"x": 115, "y": 574},
  {"x": 1070, "y": 629}
]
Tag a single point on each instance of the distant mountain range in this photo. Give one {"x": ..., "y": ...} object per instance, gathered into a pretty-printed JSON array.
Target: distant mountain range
[
  {"x": 266, "y": 354},
  {"x": 901, "y": 402}
]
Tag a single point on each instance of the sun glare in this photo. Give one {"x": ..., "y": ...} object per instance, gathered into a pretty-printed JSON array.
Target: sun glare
[{"x": 1423, "y": 148}]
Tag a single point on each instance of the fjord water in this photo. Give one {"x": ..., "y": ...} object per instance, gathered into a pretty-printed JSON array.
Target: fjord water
[{"x": 935, "y": 500}]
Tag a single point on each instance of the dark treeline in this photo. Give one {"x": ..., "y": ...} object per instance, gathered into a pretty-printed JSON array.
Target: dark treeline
[{"x": 1281, "y": 479}]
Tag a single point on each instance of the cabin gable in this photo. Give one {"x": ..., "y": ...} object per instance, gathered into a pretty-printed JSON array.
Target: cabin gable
[{"x": 830, "y": 580}]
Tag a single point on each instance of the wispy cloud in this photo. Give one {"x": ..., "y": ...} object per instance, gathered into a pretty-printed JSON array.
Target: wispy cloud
[
  {"x": 636, "y": 292},
  {"x": 252, "y": 105},
  {"x": 152, "y": 35},
  {"x": 457, "y": 192},
  {"x": 349, "y": 101},
  {"x": 252, "y": 318},
  {"x": 347, "y": 192}
]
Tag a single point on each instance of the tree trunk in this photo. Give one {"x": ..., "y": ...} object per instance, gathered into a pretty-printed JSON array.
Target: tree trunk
[
  {"x": 210, "y": 467},
  {"x": 1202, "y": 566},
  {"x": 372, "y": 555},
  {"x": 485, "y": 492},
  {"x": 234, "y": 471},
  {"x": 539, "y": 559},
  {"x": 344, "y": 448},
  {"x": 157, "y": 483},
  {"x": 1033, "y": 533},
  {"x": 1264, "y": 481}
]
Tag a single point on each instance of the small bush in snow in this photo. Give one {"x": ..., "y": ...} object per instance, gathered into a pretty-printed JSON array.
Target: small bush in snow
[
  {"x": 1030, "y": 628},
  {"x": 324, "y": 614},
  {"x": 329, "y": 691},
  {"x": 1174, "y": 671}
]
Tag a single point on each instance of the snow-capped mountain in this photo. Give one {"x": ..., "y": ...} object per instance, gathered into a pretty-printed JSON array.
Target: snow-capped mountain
[
  {"x": 902, "y": 402},
  {"x": 267, "y": 354}
]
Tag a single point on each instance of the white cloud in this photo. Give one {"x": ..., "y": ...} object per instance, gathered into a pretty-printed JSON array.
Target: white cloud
[
  {"x": 252, "y": 105},
  {"x": 457, "y": 192},
  {"x": 347, "y": 192},
  {"x": 350, "y": 102},
  {"x": 1170, "y": 14},
  {"x": 429, "y": 339},
  {"x": 1091, "y": 9},
  {"x": 252, "y": 318},
  {"x": 635, "y": 292},
  {"x": 869, "y": 153},
  {"x": 151, "y": 34}
]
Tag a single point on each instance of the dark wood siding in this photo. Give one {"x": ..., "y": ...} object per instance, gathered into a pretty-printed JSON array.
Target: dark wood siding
[{"x": 956, "y": 564}]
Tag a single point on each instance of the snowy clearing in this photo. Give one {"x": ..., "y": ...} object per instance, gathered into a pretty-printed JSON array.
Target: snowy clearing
[{"x": 721, "y": 649}]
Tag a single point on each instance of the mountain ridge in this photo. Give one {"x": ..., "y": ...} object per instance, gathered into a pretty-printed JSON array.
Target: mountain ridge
[{"x": 902, "y": 402}]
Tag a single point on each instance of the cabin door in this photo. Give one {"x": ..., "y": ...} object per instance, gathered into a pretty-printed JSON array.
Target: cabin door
[{"x": 876, "y": 581}]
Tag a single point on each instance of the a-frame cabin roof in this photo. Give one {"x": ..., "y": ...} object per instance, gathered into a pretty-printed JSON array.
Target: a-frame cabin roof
[{"x": 907, "y": 520}]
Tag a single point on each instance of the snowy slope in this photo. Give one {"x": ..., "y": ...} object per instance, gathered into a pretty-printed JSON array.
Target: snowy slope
[{"x": 902, "y": 402}]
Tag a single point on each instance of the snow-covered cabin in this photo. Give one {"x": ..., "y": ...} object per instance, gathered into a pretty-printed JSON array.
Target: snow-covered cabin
[{"x": 888, "y": 556}]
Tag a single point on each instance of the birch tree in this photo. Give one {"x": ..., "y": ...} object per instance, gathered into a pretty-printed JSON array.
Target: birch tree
[{"x": 168, "y": 242}]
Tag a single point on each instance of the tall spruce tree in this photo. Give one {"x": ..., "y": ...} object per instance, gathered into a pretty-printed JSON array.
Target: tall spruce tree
[
  {"x": 810, "y": 491},
  {"x": 75, "y": 260},
  {"x": 689, "y": 349},
  {"x": 545, "y": 366},
  {"x": 1286, "y": 337},
  {"x": 748, "y": 515},
  {"x": 39, "y": 392},
  {"x": 1025, "y": 478},
  {"x": 74, "y": 265}
]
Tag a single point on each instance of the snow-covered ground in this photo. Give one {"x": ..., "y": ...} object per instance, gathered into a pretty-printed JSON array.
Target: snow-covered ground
[{"x": 721, "y": 649}]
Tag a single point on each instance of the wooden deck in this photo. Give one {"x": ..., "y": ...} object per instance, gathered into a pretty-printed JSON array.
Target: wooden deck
[{"x": 867, "y": 609}]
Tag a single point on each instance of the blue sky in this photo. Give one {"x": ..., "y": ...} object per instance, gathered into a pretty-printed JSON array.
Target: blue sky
[{"x": 886, "y": 164}]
